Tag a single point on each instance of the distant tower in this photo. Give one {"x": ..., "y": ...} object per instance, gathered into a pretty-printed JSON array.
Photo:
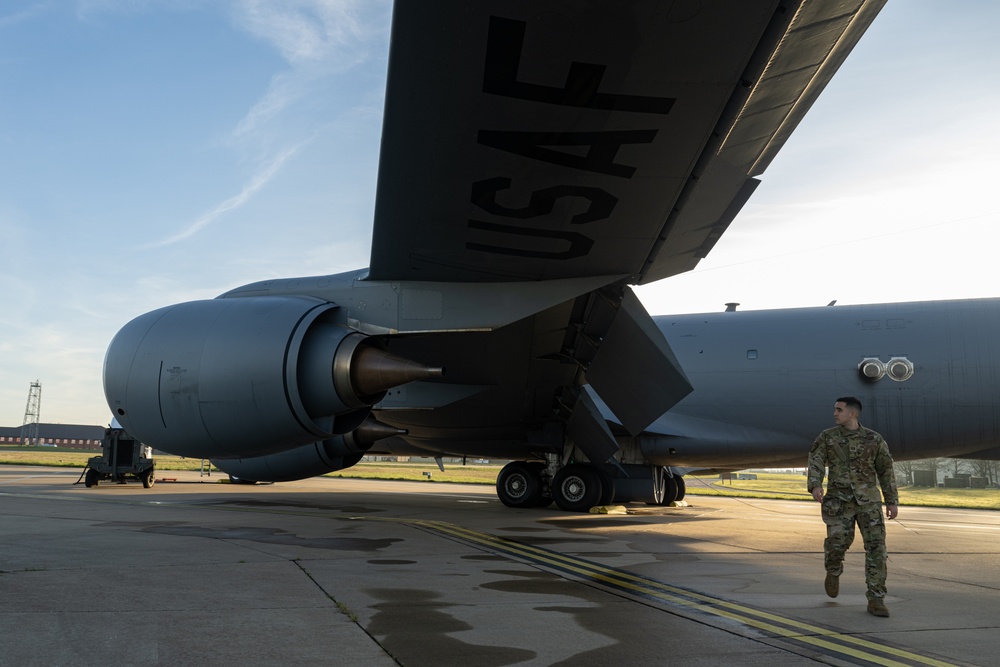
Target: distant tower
[{"x": 32, "y": 415}]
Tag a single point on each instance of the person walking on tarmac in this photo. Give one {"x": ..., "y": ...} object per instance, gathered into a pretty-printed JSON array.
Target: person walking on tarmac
[{"x": 859, "y": 463}]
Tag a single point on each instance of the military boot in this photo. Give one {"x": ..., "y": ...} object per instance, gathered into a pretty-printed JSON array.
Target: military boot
[
  {"x": 877, "y": 608},
  {"x": 832, "y": 584}
]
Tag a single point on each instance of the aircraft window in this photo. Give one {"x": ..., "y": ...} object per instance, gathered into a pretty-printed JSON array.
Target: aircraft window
[{"x": 751, "y": 354}]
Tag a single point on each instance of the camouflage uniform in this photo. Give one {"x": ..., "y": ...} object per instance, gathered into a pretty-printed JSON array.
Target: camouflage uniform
[{"x": 859, "y": 462}]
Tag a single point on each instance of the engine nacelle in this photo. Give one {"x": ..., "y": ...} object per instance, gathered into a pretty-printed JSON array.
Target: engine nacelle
[
  {"x": 317, "y": 458},
  {"x": 245, "y": 377}
]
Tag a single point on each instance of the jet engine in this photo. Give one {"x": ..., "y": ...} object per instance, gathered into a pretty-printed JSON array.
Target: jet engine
[
  {"x": 246, "y": 376},
  {"x": 317, "y": 458}
]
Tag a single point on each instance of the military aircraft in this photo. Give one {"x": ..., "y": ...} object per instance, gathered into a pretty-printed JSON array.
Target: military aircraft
[{"x": 537, "y": 159}]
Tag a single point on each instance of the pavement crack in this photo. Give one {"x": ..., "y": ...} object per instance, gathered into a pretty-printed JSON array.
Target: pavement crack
[{"x": 345, "y": 610}]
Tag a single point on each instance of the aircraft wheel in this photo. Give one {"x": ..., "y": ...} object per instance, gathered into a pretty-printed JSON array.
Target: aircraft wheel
[
  {"x": 577, "y": 487},
  {"x": 91, "y": 478},
  {"x": 519, "y": 485},
  {"x": 148, "y": 479},
  {"x": 669, "y": 489},
  {"x": 665, "y": 487},
  {"x": 607, "y": 486},
  {"x": 545, "y": 494},
  {"x": 681, "y": 488}
]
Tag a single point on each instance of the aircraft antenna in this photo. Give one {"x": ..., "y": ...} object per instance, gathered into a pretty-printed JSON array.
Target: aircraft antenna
[{"x": 32, "y": 415}]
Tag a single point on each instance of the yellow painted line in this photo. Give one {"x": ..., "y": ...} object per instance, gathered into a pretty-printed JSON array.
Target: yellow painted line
[{"x": 822, "y": 638}]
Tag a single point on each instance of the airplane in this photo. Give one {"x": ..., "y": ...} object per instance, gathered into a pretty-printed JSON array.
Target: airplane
[{"x": 537, "y": 159}]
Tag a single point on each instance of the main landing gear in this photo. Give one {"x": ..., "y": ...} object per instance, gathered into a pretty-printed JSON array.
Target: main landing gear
[
  {"x": 520, "y": 484},
  {"x": 579, "y": 486},
  {"x": 667, "y": 488}
]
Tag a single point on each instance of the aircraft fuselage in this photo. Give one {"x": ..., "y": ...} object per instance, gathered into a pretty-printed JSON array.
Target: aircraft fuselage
[{"x": 765, "y": 381}]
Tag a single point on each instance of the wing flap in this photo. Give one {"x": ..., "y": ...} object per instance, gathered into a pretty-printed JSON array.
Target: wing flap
[{"x": 789, "y": 77}]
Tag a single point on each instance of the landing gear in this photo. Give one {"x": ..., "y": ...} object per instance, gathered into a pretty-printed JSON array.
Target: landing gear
[
  {"x": 577, "y": 487},
  {"x": 545, "y": 493},
  {"x": 522, "y": 484},
  {"x": 607, "y": 486},
  {"x": 666, "y": 487},
  {"x": 519, "y": 484}
]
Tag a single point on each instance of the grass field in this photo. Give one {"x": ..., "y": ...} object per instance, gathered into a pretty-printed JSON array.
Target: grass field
[
  {"x": 767, "y": 485},
  {"x": 70, "y": 458}
]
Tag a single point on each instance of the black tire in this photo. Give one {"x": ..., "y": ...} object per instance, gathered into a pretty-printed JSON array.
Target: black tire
[
  {"x": 519, "y": 485},
  {"x": 669, "y": 490},
  {"x": 577, "y": 488},
  {"x": 681, "y": 488},
  {"x": 91, "y": 478},
  {"x": 545, "y": 496},
  {"x": 607, "y": 486},
  {"x": 148, "y": 479},
  {"x": 670, "y": 487}
]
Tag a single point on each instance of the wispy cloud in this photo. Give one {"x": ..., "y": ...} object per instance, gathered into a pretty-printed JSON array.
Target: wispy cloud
[
  {"x": 258, "y": 181},
  {"x": 304, "y": 31},
  {"x": 25, "y": 14},
  {"x": 315, "y": 37}
]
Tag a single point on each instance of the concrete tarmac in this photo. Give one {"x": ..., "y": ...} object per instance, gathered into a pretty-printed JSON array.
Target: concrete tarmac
[{"x": 352, "y": 572}]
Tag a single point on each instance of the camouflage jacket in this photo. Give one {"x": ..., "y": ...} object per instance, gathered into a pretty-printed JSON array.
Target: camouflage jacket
[{"x": 859, "y": 462}]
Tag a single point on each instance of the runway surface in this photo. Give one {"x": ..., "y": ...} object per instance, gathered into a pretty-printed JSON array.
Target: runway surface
[{"x": 329, "y": 571}]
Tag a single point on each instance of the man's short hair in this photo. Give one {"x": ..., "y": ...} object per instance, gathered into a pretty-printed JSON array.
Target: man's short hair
[{"x": 850, "y": 403}]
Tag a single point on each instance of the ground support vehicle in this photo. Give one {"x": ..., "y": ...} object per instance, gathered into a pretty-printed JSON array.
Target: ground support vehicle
[{"x": 123, "y": 458}]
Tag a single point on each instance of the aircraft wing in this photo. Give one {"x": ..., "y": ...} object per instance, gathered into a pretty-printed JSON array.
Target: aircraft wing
[
  {"x": 583, "y": 144},
  {"x": 544, "y": 139}
]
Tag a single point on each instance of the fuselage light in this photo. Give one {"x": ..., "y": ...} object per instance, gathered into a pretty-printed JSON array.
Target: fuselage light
[
  {"x": 899, "y": 369},
  {"x": 871, "y": 369}
]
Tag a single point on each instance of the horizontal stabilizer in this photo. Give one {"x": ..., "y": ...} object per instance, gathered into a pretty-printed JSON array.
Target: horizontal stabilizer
[{"x": 634, "y": 371}]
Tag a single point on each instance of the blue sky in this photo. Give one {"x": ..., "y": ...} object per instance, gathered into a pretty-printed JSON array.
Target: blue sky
[{"x": 157, "y": 151}]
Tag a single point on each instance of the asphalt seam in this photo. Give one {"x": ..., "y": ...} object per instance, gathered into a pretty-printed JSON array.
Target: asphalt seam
[{"x": 346, "y": 611}]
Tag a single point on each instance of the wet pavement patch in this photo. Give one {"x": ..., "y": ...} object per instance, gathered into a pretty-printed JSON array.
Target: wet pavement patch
[
  {"x": 583, "y": 523},
  {"x": 534, "y": 583},
  {"x": 411, "y": 624},
  {"x": 389, "y": 561},
  {"x": 538, "y": 541},
  {"x": 275, "y": 536},
  {"x": 138, "y": 525},
  {"x": 299, "y": 504}
]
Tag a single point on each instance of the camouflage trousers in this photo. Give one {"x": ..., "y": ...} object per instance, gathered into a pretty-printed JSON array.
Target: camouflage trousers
[{"x": 840, "y": 517}]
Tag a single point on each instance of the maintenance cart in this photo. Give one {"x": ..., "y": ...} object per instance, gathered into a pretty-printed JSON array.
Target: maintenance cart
[{"x": 124, "y": 458}]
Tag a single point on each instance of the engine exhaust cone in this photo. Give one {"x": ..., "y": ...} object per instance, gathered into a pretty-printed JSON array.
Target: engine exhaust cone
[
  {"x": 374, "y": 371},
  {"x": 372, "y": 430}
]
